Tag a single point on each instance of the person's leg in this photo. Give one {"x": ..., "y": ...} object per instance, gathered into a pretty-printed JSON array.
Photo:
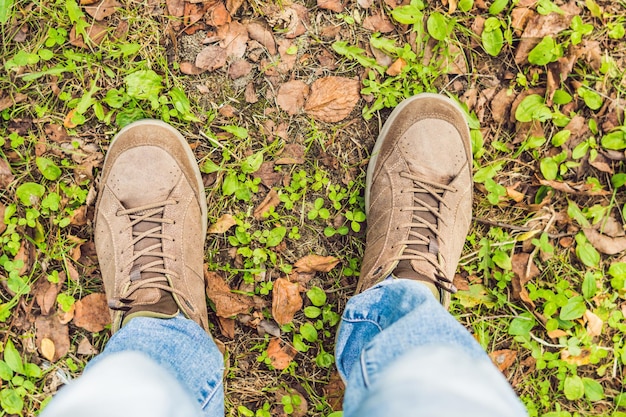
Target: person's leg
[
  {"x": 398, "y": 348},
  {"x": 402, "y": 353},
  {"x": 150, "y": 228},
  {"x": 149, "y": 366}
]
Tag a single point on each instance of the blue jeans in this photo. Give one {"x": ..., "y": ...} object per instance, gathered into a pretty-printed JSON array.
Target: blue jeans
[{"x": 400, "y": 352}]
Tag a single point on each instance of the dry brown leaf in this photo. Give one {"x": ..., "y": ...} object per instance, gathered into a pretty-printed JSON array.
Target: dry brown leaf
[
  {"x": 316, "y": 263},
  {"x": 540, "y": 26},
  {"x": 378, "y": 22},
  {"x": 250, "y": 94},
  {"x": 269, "y": 176},
  {"x": 219, "y": 15},
  {"x": 515, "y": 195},
  {"x": 66, "y": 316},
  {"x": 602, "y": 163},
  {"x": 520, "y": 17},
  {"x": 49, "y": 327},
  {"x": 594, "y": 324},
  {"x": 555, "y": 334},
  {"x": 8, "y": 101},
  {"x": 330, "y": 32},
  {"x": 95, "y": 33},
  {"x": 260, "y": 33},
  {"x": 503, "y": 359},
  {"x": 211, "y": 58},
  {"x": 610, "y": 227},
  {"x": 334, "y": 5},
  {"x": 332, "y": 98},
  {"x": 227, "y": 111},
  {"x": 86, "y": 348},
  {"x": 452, "y": 6},
  {"x": 603, "y": 243},
  {"x": 227, "y": 327},
  {"x": 47, "y": 349},
  {"x": 286, "y": 301},
  {"x": 225, "y": 222},
  {"x": 583, "y": 359},
  {"x": 287, "y": 60},
  {"x": 333, "y": 391},
  {"x": 366, "y": 4},
  {"x": 299, "y": 16},
  {"x": 239, "y": 68},
  {"x": 519, "y": 263},
  {"x": 56, "y": 133},
  {"x": 268, "y": 327},
  {"x": 227, "y": 304},
  {"x": 92, "y": 312},
  {"x": 578, "y": 189},
  {"x": 6, "y": 175},
  {"x": 460, "y": 282},
  {"x": 190, "y": 68},
  {"x": 270, "y": 201},
  {"x": 234, "y": 39},
  {"x": 396, "y": 3},
  {"x": 280, "y": 353},
  {"x": 579, "y": 129},
  {"x": 26, "y": 254},
  {"x": 501, "y": 104},
  {"x": 103, "y": 9},
  {"x": 292, "y": 153},
  {"x": 79, "y": 216},
  {"x": 233, "y": 6},
  {"x": 175, "y": 7},
  {"x": 46, "y": 295},
  {"x": 396, "y": 68},
  {"x": 291, "y": 96},
  {"x": 283, "y": 19},
  {"x": 72, "y": 272}
]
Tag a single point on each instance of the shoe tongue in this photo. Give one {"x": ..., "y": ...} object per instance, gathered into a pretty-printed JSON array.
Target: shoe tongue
[
  {"x": 420, "y": 266},
  {"x": 151, "y": 299},
  {"x": 405, "y": 270},
  {"x": 144, "y": 243}
]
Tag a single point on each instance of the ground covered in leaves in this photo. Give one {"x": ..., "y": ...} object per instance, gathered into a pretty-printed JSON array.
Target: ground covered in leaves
[{"x": 281, "y": 102}]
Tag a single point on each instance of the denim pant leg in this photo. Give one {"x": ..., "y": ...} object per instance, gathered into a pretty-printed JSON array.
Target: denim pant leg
[
  {"x": 402, "y": 353},
  {"x": 171, "y": 363}
]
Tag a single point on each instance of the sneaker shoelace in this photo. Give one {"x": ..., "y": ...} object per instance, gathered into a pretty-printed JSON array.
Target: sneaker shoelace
[
  {"x": 422, "y": 243},
  {"x": 148, "y": 263}
]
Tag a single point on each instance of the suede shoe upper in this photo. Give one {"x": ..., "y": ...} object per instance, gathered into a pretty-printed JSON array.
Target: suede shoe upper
[
  {"x": 419, "y": 194},
  {"x": 151, "y": 225}
]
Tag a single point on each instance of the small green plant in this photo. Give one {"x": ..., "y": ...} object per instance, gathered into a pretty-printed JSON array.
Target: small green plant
[
  {"x": 19, "y": 377},
  {"x": 264, "y": 411},
  {"x": 318, "y": 210},
  {"x": 290, "y": 403}
]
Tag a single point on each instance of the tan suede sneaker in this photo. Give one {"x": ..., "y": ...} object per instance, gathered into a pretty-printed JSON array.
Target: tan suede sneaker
[
  {"x": 151, "y": 225},
  {"x": 418, "y": 195}
]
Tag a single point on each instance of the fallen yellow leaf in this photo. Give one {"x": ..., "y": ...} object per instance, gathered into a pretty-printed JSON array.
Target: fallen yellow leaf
[{"x": 47, "y": 348}]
